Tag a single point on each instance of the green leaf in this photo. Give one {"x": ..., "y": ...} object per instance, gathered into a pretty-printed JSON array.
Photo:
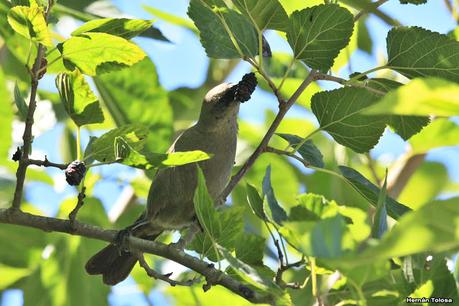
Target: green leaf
[
  {"x": 20, "y": 103},
  {"x": 122, "y": 27},
  {"x": 317, "y": 34},
  {"x": 11, "y": 275},
  {"x": 30, "y": 22},
  {"x": 172, "y": 19},
  {"x": 250, "y": 249},
  {"x": 276, "y": 212},
  {"x": 416, "y": 52},
  {"x": 432, "y": 228},
  {"x": 95, "y": 53},
  {"x": 308, "y": 150},
  {"x": 405, "y": 126},
  {"x": 255, "y": 201},
  {"x": 380, "y": 218},
  {"x": 440, "y": 133},
  {"x": 79, "y": 101},
  {"x": 433, "y": 96},
  {"x": 224, "y": 33},
  {"x": 132, "y": 98},
  {"x": 327, "y": 237},
  {"x": 265, "y": 14},
  {"x": 369, "y": 191},
  {"x": 339, "y": 113},
  {"x": 204, "y": 207},
  {"x": 102, "y": 148}
]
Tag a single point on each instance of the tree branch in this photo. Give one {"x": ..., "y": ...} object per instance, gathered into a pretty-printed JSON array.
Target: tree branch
[
  {"x": 47, "y": 224},
  {"x": 45, "y": 163},
  {"x": 27, "y": 137},
  {"x": 403, "y": 172},
  {"x": 371, "y": 8},
  {"x": 283, "y": 109}
]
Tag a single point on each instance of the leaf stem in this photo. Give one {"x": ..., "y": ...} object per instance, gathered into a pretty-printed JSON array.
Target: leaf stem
[
  {"x": 358, "y": 76},
  {"x": 78, "y": 141},
  {"x": 283, "y": 109}
]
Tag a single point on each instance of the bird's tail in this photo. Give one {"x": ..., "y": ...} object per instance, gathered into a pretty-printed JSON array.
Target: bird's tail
[{"x": 113, "y": 263}]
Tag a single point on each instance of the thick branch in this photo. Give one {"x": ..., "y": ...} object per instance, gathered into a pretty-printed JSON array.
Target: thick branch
[
  {"x": 283, "y": 109},
  {"x": 403, "y": 173},
  {"x": 12, "y": 216}
]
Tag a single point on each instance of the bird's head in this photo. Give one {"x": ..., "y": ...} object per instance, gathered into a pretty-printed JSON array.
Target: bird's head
[{"x": 221, "y": 103}]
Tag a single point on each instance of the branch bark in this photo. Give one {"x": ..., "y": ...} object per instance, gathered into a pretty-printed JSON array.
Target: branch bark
[
  {"x": 283, "y": 109},
  {"x": 403, "y": 172},
  {"x": 27, "y": 137},
  {"x": 47, "y": 224}
]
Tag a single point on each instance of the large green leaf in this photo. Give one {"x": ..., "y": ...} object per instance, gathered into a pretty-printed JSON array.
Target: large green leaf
[
  {"x": 440, "y": 133},
  {"x": 433, "y": 96},
  {"x": 224, "y": 33},
  {"x": 95, "y": 53},
  {"x": 405, "y": 126},
  {"x": 11, "y": 275},
  {"x": 265, "y": 14},
  {"x": 317, "y": 34},
  {"x": 371, "y": 192},
  {"x": 339, "y": 113},
  {"x": 133, "y": 96},
  {"x": 416, "y": 52},
  {"x": 308, "y": 150},
  {"x": 30, "y": 22},
  {"x": 122, "y": 27},
  {"x": 79, "y": 101}
]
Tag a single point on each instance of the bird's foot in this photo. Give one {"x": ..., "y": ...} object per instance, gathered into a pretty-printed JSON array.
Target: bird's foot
[
  {"x": 186, "y": 238},
  {"x": 122, "y": 240}
]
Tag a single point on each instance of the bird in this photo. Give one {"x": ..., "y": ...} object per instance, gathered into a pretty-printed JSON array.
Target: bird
[{"x": 170, "y": 199}]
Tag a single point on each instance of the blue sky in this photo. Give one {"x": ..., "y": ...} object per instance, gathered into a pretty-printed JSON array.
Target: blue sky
[{"x": 184, "y": 63}]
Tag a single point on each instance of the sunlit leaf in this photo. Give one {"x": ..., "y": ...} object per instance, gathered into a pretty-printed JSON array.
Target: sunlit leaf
[
  {"x": 380, "y": 217},
  {"x": 255, "y": 201},
  {"x": 122, "y": 27},
  {"x": 265, "y": 14},
  {"x": 79, "y": 101},
  {"x": 96, "y": 53},
  {"x": 30, "y": 22},
  {"x": 440, "y": 133},
  {"x": 416, "y": 52},
  {"x": 316, "y": 37}
]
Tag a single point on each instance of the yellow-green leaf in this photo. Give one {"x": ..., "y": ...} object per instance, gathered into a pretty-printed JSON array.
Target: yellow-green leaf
[
  {"x": 96, "y": 53},
  {"x": 30, "y": 22},
  {"x": 122, "y": 27}
]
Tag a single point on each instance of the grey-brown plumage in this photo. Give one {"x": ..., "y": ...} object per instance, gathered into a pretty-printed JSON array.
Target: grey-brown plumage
[{"x": 170, "y": 199}]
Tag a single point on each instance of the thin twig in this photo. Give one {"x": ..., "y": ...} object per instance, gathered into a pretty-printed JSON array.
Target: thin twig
[
  {"x": 12, "y": 216},
  {"x": 344, "y": 82},
  {"x": 164, "y": 277},
  {"x": 371, "y": 7},
  {"x": 45, "y": 163},
  {"x": 372, "y": 168},
  {"x": 27, "y": 137},
  {"x": 283, "y": 109},
  {"x": 80, "y": 203}
]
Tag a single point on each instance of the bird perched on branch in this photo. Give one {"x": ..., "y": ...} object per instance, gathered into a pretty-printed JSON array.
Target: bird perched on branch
[{"x": 170, "y": 199}]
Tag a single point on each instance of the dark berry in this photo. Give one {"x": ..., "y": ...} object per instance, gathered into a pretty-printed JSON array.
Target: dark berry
[
  {"x": 75, "y": 172},
  {"x": 246, "y": 87}
]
